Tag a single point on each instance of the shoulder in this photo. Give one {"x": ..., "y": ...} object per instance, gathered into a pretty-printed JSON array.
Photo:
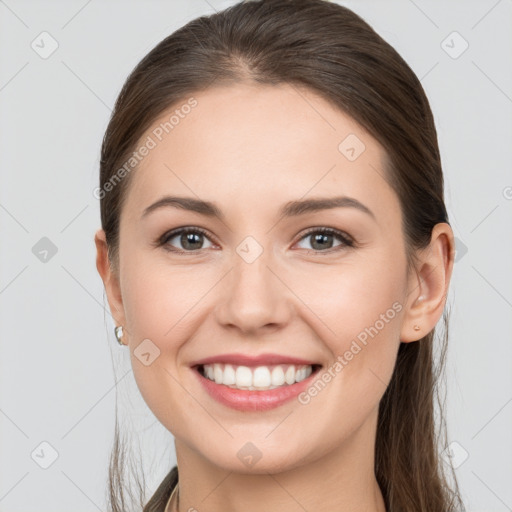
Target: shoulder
[{"x": 158, "y": 501}]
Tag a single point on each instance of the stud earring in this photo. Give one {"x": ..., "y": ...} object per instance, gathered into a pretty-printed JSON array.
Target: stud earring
[{"x": 119, "y": 334}]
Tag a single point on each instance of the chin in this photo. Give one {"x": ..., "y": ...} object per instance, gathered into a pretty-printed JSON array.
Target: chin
[{"x": 246, "y": 458}]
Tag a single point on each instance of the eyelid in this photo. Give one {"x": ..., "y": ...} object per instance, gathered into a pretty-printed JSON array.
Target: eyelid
[{"x": 326, "y": 229}]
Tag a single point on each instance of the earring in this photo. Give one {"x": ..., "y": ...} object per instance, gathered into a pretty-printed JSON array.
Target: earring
[
  {"x": 119, "y": 334},
  {"x": 416, "y": 327}
]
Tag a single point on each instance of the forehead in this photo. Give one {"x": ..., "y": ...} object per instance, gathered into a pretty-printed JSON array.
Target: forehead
[{"x": 245, "y": 145}]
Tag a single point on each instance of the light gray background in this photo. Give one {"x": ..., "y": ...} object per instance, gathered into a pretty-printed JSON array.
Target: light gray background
[{"x": 58, "y": 352}]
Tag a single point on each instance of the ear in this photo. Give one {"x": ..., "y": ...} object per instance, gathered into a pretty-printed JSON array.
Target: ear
[
  {"x": 110, "y": 279},
  {"x": 428, "y": 287}
]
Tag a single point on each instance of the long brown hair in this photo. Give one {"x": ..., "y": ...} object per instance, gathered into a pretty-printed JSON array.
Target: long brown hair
[{"x": 335, "y": 53}]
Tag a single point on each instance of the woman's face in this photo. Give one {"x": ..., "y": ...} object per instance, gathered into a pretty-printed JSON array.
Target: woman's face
[{"x": 260, "y": 279}]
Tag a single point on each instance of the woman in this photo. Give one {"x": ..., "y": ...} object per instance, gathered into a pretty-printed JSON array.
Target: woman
[{"x": 276, "y": 254}]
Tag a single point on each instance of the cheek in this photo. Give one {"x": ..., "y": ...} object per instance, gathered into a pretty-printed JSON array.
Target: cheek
[
  {"x": 352, "y": 296},
  {"x": 160, "y": 298},
  {"x": 357, "y": 311},
  {"x": 161, "y": 305},
  {"x": 363, "y": 315}
]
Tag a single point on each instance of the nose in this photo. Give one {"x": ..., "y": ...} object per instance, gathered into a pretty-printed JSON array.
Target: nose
[{"x": 254, "y": 299}]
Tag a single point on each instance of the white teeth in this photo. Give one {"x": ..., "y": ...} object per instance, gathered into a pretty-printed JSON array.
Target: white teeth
[
  {"x": 217, "y": 374},
  {"x": 289, "y": 376},
  {"x": 243, "y": 376},
  {"x": 229, "y": 377},
  {"x": 303, "y": 373},
  {"x": 261, "y": 377},
  {"x": 258, "y": 378},
  {"x": 277, "y": 376}
]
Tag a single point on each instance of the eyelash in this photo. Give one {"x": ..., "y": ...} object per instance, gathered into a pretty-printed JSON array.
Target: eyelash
[{"x": 347, "y": 241}]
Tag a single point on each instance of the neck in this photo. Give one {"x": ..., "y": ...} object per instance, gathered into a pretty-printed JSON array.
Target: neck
[{"x": 342, "y": 479}]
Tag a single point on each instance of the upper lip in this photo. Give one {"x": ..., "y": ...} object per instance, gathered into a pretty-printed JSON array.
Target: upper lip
[{"x": 246, "y": 360}]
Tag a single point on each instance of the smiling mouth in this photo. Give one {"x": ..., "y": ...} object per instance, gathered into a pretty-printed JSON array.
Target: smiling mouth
[{"x": 256, "y": 378}]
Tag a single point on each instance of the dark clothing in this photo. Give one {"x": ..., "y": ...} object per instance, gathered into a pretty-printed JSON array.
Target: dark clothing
[{"x": 158, "y": 501}]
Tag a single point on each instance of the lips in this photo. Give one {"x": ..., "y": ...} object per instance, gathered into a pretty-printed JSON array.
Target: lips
[
  {"x": 251, "y": 398},
  {"x": 268, "y": 359}
]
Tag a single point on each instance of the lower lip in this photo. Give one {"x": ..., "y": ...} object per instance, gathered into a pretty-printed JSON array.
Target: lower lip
[{"x": 246, "y": 400}]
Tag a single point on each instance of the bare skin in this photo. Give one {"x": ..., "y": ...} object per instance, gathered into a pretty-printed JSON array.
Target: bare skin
[{"x": 250, "y": 149}]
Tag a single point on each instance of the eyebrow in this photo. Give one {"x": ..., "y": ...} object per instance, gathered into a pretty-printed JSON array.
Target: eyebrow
[{"x": 290, "y": 209}]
